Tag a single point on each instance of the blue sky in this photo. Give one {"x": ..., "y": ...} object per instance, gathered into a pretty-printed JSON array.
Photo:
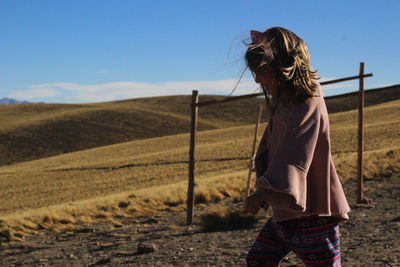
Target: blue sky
[{"x": 82, "y": 51}]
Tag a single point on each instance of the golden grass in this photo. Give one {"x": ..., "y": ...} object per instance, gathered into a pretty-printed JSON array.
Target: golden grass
[
  {"x": 145, "y": 176},
  {"x": 66, "y": 217},
  {"x": 118, "y": 168}
]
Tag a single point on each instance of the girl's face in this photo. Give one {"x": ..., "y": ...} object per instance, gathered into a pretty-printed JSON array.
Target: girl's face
[{"x": 266, "y": 78}]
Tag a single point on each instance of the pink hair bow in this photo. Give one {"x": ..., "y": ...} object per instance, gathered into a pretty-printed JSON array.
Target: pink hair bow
[{"x": 259, "y": 39}]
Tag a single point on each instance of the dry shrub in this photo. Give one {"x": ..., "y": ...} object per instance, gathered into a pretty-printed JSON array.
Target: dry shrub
[
  {"x": 173, "y": 203},
  {"x": 174, "y": 198},
  {"x": 384, "y": 163},
  {"x": 115, "y": 223},
  {"x": 207, "y": 195},
  {"x": 5, "y": 233},
  {"x": 233, "y": 192},
  {"x": 27, "y": 224},
  {"x": 9, "y": 233},
  {"x": 202, "y": 196},
  {"x": 102, "y": 215},
  {"x": 63, "y": 229},
  {"x": 63, "y": 219},
  {"x": 123, "y": 204},
  {"x": 220, "y": 218},
  {"x": 46, "y": 222},
  {"x": 152, "y": 202}
]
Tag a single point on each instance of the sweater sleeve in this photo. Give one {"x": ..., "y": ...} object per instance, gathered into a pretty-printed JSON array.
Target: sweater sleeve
[{"x": 286, "y": 176}]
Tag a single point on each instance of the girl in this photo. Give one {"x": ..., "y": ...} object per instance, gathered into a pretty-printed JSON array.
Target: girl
[{"x": 295, "y": 172}]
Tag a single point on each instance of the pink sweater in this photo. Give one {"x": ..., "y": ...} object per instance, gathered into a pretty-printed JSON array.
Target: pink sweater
[{"x": 294, "y": 165}]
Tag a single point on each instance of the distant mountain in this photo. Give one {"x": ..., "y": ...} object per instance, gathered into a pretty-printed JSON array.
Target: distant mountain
[{"x": 7, "y": 101}]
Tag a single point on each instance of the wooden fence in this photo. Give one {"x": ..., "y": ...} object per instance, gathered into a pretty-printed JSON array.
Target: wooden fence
[{"x": 194, "y": 119}]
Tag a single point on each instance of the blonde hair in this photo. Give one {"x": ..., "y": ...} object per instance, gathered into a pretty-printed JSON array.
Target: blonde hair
[{"x": 288, "y": 58}]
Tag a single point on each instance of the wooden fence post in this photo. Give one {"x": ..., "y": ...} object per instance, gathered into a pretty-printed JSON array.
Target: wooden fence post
[
  {"x": 360, "y": 178},
  {"x": 193, "y": 131},
  {"x": 246, "y": 193}
]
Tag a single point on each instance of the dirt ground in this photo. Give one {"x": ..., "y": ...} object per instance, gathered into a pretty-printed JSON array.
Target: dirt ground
[{"x": 370, "y": 238}]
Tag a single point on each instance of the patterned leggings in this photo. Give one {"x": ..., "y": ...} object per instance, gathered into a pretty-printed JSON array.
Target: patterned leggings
[{"x": 315, "y": 240}]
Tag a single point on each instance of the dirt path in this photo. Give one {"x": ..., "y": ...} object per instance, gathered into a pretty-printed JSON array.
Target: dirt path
[{"x": 370, "y": 238}]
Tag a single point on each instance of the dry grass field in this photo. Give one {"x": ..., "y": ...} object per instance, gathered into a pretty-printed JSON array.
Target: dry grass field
[
  {"x": 146, "y": 175},
  {"x": 34, "y": 131}
]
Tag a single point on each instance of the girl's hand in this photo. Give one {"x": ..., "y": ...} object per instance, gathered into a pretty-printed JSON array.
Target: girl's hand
[{"x": 254, "y": 202}]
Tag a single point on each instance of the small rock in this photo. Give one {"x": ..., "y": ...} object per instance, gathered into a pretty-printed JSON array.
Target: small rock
[
  {"x": 151, "y": 221},
  {"x": 102, "y": 262},
  {"x": 84, "y": 230},
  {"x": 146, "y": 248},
  {"x": 397, "y": 219}
]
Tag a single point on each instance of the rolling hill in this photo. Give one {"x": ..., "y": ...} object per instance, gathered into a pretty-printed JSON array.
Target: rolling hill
[{"x": 34, "y": 131}]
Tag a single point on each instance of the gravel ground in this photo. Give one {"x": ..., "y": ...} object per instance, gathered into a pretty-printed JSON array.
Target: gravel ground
[{"x": 370, "y": 238}]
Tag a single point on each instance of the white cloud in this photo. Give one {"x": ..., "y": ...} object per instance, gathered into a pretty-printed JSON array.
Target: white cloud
[
  {"x": 123, "y": 90},
  {"x": 31, "y": 94},
  {"x": 83, "y": 93}
]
